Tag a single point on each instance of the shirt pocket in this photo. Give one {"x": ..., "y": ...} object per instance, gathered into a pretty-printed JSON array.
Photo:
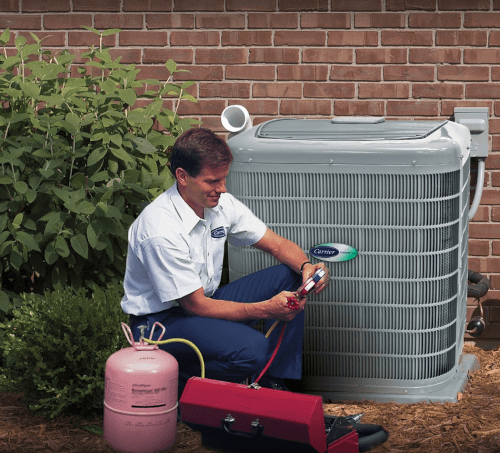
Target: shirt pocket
[{"x": 198, "y": 260}]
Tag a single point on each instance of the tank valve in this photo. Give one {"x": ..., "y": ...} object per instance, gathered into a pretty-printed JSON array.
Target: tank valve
[
  {"x": 142, "y": 329},
  {"x": 476, "y": 324}
]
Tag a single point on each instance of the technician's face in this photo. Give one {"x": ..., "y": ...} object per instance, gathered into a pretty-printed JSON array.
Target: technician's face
[{"x": 204, "y": 190}]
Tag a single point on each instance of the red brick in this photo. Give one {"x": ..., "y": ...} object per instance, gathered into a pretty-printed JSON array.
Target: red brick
[
  {"x": 199, "y": 72},
  {"x": 105, "y": 21},
  {"x": 257, "y": 106},
  {"x": 402, "y": 5},
  {"x": 273, "y": 20},
  {"x": 148, "y": 5},
  {"x": 302, "y": 72},
  {"x": 250, "y": 72},
  {"x": 474, "y": 56},
  {"x": 330, "y": 55},
  {"x": 53, "y": 39},
  {"x": 383, "y": 90},
  {"x": 495, "y": 179},
  {"x": 482, "y": 214},
  {"x": 224, "y": 21},
  {"x": 247, "y": 38},
  {"x": 495, "y": 217},
  {"x": 221, "y": 56},
  {"x": 67, "y": 21},
  {"x": 329, "y": 90},
  {"x": 495, "y": 146},
  {"x": 37, "y": 6},
  {"x": 381, "y": 56},
  {"x": 274, "y": 55},
  {"x": 9, "y": 6},
  {"x": 379, "y": 20},
  {"x": 481, "y": 20},
  {"x": 496, "y": 4},
  {"x": 479, "y": 247},
  {"x": 412, "y": 108},
  {"x": 325, "y": 20},
  {"x": 194, "y": 38},
  {"x": 128, "y": 56},
  {"x": 464, "y": 73},
  {"x": 96, "y": 5},
  {"x": 251, "y": 5},
  {"x": 351, "y": 72},
  {"x": 353, "y": 38},
  {"x": 205, "y": 107},
  {"x": 299, "y": 38},
  {"x": 457, "y": 5},
  {"x": 413, "y": 73},
  {"x": 494, "y": 38},
  {"x": 161, "y": 55},
  {"x": 493, "y": 161},
  {"x": 277, "y": 90},
  {"x": 87, "y": 38},
  {"x": 434, "y": 20},
  {"x": 359, "y": 108},
  {"x": 199, "y": 5},
  {"x": 461, "y": 38},
  {"x": 484, "y": 231},
  {"x": 143, "y": 38},
  {"x": 483, "y": 91},
  {"x": 169, "y": 21},
  {"x": 21, "y": 22},
  {"x": 418, "y": 55},
  {"x": 491, "y": 197},
  {"x": 300, "y": 5},
  {"x": 438, "y": 90},
  {"x": 358, "y": 5},
  {"x": 305, "y": 107},
  {"x": 406, "y": 38},
  {"x": 224, "y": 90}
]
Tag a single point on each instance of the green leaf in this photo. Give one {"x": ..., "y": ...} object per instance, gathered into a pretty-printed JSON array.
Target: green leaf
[
  {"x": 62, "y": 194},
  {"x": 55, "y": 223},
  {"x": 171, "y": 66},
  {"x": 62, "y": 247},
  {"x": 51, "y": 256},
  {"x": 4, "y": 38},
  {"x": 121, "y": 154},
  {"x": 6, "y": 180},
  {"x": 80, "y": 245},
  {"x": 3, "y": 236},
  {"x": 78, "y": 180},
  {"x": 16, "y": 223},
  {"x": 96, "y": 156},
  {"x": 31, "y": 195},
  {"x": 128, "y": 96},
  {"x": 5, "y": 304},
  {"x": 93, "y": 30},
  {"x": 146, "y": 178},
  {"x": 31, "y": 90},
  {"x": 111, "y": 31},
  {"x": 143, "y": 145},
  {"x": 85, "y": 207},
  {"x": 21, "y": 187},
  {"x": 59, "y": 277},
  {"x": 28, "y": 240}
]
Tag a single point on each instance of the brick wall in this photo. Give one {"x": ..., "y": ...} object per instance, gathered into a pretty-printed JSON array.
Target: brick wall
[{"x": 314, "y": 58}]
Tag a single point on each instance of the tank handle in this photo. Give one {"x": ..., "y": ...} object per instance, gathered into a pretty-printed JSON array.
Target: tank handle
[
  {"x": 153, "y": 329},
  {"x": 128, "y": 334}
]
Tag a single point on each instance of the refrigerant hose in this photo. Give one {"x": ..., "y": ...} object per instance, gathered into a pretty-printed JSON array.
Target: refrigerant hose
[{"x": 478, "y": 285}]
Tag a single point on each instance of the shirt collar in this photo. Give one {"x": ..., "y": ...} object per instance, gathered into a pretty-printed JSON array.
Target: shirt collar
[{"x": 185, "y": 212}]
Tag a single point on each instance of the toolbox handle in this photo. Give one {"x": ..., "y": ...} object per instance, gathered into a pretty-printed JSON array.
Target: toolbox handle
[{"x": 257, "y": 428}]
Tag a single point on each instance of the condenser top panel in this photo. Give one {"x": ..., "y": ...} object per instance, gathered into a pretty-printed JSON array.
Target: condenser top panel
[
  {"x": 358, "y": 142},
  {"x": 344, "y": 128}
]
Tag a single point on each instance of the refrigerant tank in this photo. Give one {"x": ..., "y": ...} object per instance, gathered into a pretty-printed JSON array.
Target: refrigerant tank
[{"x": 140, "y": 398}]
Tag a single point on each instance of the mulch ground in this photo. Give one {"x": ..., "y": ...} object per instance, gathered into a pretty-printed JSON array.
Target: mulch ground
[{"x": 471, "y": 425}]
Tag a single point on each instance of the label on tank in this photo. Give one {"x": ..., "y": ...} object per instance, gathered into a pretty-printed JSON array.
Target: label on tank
[
  {"x": 115, "y": 393},
  {"x": 149, "y": 395}
]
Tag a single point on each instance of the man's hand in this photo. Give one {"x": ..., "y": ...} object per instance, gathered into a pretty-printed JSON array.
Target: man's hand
[
  {"x": 309, "y": 270},
  {"x": 278, "y": 308}
]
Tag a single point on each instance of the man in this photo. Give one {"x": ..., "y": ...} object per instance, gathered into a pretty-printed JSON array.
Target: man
[{"x": 174, "y": 266}]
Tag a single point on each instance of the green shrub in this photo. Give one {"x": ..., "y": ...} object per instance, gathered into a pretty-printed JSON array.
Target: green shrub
[
  {"x": 56, "y": 346},
  {"x": 79, "y": 158}
]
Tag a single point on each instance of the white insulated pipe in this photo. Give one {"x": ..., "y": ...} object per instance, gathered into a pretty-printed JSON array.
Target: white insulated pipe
[{"x": 236, "y": 119}]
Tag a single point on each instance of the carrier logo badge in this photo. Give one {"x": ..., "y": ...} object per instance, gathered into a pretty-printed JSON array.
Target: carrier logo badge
[
  {"x": 333, "y": 252},
  {"x": 218, "y": 233}
]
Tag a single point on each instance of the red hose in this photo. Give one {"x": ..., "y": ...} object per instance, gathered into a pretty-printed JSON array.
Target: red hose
[{"x": 273, "y": 356}]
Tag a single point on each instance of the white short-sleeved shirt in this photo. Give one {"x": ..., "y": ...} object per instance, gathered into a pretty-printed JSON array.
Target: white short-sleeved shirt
[{"x": 172, "y": 252}]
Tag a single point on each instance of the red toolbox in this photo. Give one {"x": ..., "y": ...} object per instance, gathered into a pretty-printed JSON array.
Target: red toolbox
[{"x": 241, "y": 418}]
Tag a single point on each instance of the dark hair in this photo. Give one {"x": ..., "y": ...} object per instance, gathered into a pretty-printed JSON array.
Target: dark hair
[{"x": 198, "y": 148}]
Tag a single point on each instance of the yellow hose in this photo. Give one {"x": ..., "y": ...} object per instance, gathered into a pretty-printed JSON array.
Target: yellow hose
[{"x": 182, "y": 340}]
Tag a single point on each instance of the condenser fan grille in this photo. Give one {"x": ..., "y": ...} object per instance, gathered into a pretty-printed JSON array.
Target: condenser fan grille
[{"x": 390, "y": 313}]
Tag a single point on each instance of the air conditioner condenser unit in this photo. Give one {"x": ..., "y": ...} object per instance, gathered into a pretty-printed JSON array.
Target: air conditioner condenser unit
[{"x": 390, "y": 325}]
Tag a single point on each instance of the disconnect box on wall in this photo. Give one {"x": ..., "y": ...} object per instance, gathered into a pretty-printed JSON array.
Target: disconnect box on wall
[{"x": 476, "y": 119}]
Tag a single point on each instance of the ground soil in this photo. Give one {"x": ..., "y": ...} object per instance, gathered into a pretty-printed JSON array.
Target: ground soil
[{"x": 471, "y": 425}]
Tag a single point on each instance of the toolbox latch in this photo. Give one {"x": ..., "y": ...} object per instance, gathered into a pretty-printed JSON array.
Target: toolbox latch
[{"x": 255, "y": 426}]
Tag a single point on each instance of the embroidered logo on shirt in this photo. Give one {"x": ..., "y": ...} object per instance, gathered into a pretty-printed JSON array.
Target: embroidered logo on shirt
[{"x": 218, "y": 233}]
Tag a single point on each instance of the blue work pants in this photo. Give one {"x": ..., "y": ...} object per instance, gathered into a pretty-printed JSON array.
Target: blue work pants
[{"x": 233, "y": 351}]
